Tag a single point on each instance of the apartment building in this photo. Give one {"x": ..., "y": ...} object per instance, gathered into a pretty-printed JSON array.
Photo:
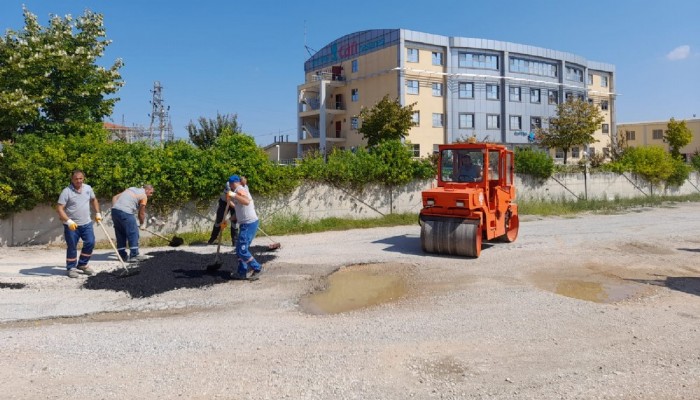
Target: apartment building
[
  {"x": 638, "y": 134},
  {"x": 462, "y": 87}
]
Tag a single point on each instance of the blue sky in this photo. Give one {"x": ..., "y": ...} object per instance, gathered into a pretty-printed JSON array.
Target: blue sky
[{"x": 246, "y": 58}]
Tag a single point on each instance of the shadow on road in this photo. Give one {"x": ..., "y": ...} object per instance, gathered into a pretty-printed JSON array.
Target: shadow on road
[{"x": 685, "y": 284}]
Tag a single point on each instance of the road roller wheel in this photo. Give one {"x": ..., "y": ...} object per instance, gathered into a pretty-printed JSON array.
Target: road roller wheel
[
  {"x": 453, "y": 236},
  {"x": 512, "y": 226}
]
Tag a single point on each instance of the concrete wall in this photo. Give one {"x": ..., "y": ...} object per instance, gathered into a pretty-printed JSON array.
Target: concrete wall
[{"x": 314, "y": 201}]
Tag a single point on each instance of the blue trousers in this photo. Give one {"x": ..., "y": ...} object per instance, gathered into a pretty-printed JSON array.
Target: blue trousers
[
  {"x": 87, "y": 234},
  {"x": 126, "y": 230},
  {"x": 246, "y": 234}
]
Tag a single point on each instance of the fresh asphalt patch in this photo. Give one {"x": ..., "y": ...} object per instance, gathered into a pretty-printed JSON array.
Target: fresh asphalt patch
[{"x": 170, "y": 270}]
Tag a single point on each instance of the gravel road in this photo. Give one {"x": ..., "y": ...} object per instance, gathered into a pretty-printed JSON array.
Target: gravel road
[{"x": 588, "y": 307}]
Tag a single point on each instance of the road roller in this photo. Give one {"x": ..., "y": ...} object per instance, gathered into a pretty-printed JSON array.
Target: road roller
[{"x": 474, "y": 200}]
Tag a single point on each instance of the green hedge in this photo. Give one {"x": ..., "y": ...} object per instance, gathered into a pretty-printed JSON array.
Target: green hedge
[{"x": 35, "y": 169}]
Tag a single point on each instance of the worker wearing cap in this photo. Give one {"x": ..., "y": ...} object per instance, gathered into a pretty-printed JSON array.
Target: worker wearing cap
[
  {"x": 220, "y": 214},
  {"x": 240, "y": 199},
  {"x": 127, "y": 207},
  {"x": 73, "y": 210}
]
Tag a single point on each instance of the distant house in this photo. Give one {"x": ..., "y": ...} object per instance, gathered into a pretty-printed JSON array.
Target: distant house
[
  {"x": 282, "y": 152},
  {"x": 126, "y": 133},
  {"x": 651, "y": 133}
]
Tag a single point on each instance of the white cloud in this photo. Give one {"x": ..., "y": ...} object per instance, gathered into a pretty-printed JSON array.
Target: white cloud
[{"x": 679, "y": 53}]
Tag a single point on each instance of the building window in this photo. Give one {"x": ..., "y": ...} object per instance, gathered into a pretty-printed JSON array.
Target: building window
[
  {"x": 415, "y": 150},
  {"x": 591, "y": 151},
  {"x": 657, "y": 134},
  {"x": 604, "y": 81},
  {"x": 606, "y": 128},
  {"x": 354, "y": 66},
  {"x": 516, "y": 122},
  {"x": 535, "y": 96},
  {"x": 606, "y": 152},
  {"x": 514, "y": 93},
  {"x": 416, "y": 118},
  {"x": 476, "y": 60},
  {"x": 493, "y": 121},
  {"x": 575, "y": 152},
  {"x": 604, "y": 105},
  {"x": 553, "y": 97},
  {"x": 466, "y": 90},
  {"x": 574, "y": 74},
  {"x": 629, "y": 135},
  {"x": 412, "y": 55},
  {"x": 354, "y": 123},
  {"x": 437, "y": 120},
  {"x": 559, "y": 153},
  {"x": 590, "y": 79},
  {"x": 437, "y": 89},
  {"x": 492, "y": 92},
  {"x": 355, "y": 94},
  {"x": 412, "y": 87},
  {"x": 535, "y": 123},
  {"x": 532, "y": 67},
  {"x": 437, "y": 58},
  {"x": 466, "y": 120}
]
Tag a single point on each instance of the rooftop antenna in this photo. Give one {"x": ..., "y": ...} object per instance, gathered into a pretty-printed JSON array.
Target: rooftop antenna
[{"x": 308, "y": 49}]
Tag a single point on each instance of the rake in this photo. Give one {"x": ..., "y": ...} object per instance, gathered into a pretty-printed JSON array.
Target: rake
[{"x": 174, "y": 242}]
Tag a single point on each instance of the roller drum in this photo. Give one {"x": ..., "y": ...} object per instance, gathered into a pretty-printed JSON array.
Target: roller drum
[{"x": 451, "y": 236}]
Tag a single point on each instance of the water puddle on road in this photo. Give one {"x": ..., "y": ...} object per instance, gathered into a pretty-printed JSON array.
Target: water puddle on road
[
  {"x": 597, "y": 292},
  {"x": 597, "y": 288},
  {"x": 356, "y": 287}
]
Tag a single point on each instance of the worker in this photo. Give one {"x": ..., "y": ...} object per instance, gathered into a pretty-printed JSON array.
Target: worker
[
  {"x": 468, "y": 172},
  {"x": 127, "y": 207},
  {"x": 73, "y": 210},
  {"x": 240, "y": 199}
]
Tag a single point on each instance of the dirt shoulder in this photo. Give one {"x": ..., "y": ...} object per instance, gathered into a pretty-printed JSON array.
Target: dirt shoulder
[{"x": 590, "y": 307}]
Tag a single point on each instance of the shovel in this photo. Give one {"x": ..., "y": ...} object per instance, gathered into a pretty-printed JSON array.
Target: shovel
[
  {"x": 174, "y": 242},
  {"x": 127, "y": 271}
]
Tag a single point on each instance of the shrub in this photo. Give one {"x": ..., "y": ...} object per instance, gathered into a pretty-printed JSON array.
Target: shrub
[{"x": 537, "y": 164}]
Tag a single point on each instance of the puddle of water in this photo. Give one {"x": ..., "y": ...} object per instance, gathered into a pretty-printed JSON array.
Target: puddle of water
[
  {"x": 352, "y": 289},
  {"x": 598, "y": 292}
]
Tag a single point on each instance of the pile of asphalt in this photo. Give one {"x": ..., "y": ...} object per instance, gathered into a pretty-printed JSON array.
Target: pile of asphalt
[
  {"x": 4, "y": 285},
  {"x": 170, "y": 270}
]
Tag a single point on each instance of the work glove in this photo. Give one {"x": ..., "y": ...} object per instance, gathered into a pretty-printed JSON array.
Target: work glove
[
  {"x": 71, "y": 224},
  {"x": 98, "y": 217},
  {"x": 223, "y": 224},
  {"x": 142, "y": 226},
  {"x": 230, "y": 194}
]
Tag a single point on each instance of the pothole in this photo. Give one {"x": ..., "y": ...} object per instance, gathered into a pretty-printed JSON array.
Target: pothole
[{"x": 358, "y": 286}]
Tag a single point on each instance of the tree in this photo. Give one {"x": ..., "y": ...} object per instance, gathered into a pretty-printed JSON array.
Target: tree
[
  {"x": 209, "y": 130},
  {"x": 49, "y": 80},
  {"x": 387, "y": 120},
  {"x": 677, "y": 136},
  {"x": 574, "y": 125}
]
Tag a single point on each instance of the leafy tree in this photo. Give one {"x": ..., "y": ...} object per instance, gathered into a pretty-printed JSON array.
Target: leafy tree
[
  {"x": 574, "y": 125},
  {"x": 387, "y": 120},
  {"x": 677, "y": 136},
  {"x": 209, "y": 130},
  {"x": 49, "y": 80}
]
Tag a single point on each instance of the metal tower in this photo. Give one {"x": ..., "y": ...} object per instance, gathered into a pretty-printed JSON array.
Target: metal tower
[{"x": 160, "y": 121}]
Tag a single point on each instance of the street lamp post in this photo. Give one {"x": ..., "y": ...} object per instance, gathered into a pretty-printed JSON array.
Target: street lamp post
[{"x": 278, "y": 153}]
